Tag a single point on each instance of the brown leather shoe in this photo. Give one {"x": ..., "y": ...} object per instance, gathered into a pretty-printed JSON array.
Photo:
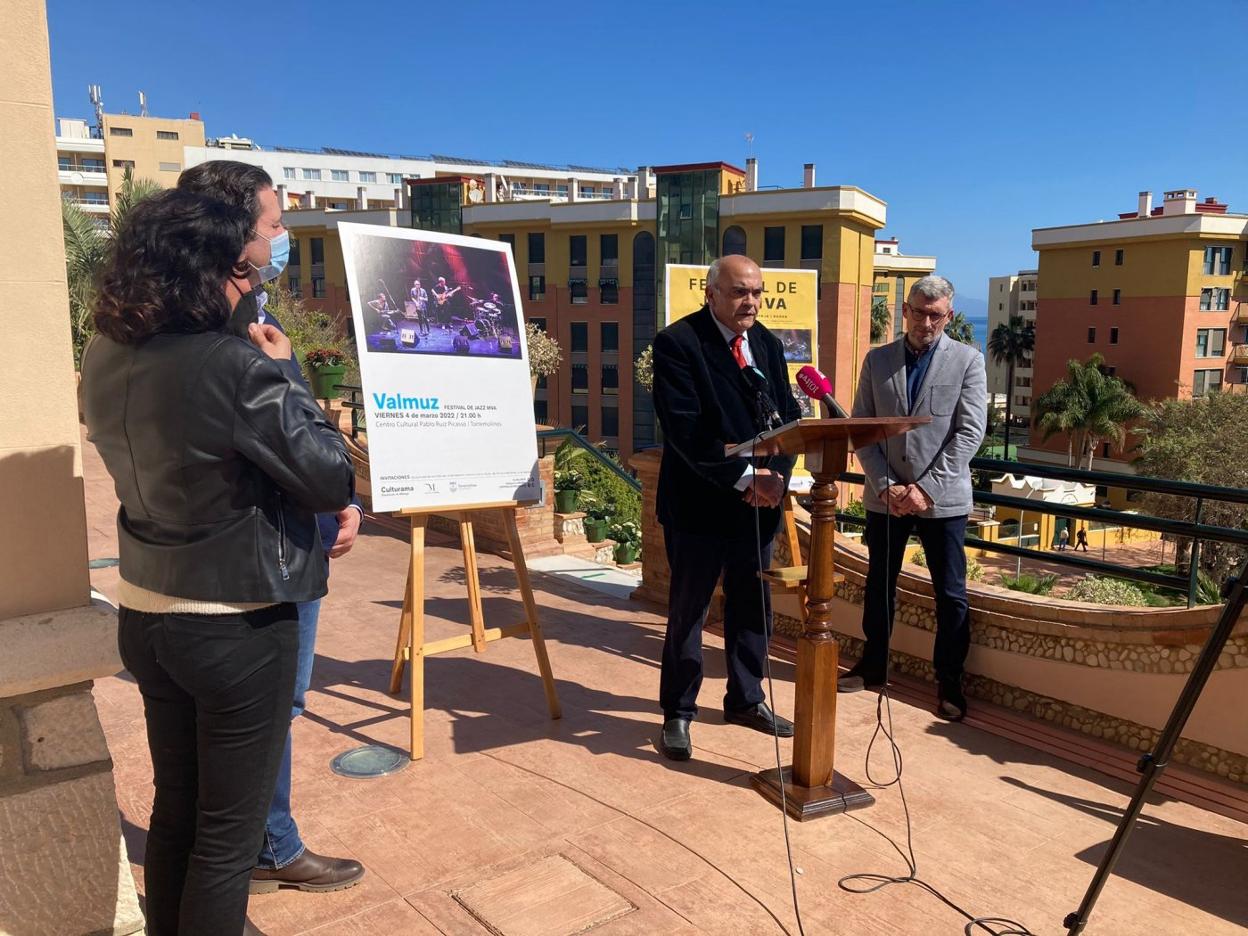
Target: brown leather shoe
[{"x": 309, "y": 872}]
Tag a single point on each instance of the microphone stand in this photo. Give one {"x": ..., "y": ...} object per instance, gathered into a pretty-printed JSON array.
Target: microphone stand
[{"x": 1151, "y": 765}]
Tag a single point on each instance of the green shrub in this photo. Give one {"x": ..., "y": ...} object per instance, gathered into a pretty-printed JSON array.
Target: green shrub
[
  {"x": 1031, "y": 584},
  {"x": 599, "y": 481},
  {"x": 1107, "y": 591}
]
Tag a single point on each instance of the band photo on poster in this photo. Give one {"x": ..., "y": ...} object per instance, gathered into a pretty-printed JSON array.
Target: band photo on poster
[{"x": 429, "y": 297}]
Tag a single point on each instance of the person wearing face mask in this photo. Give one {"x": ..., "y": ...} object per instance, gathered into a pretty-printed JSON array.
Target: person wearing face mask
[
  {"x": 284, "y": 861},
  {"x": 219, "y": 462},
  {"x": 920, "y": 482}
]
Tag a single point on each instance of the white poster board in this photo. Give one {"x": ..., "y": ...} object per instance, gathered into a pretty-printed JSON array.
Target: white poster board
[{"x": 447, "y": 396}]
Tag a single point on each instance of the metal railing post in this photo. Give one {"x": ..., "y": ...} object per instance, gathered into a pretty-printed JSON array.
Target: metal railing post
[{"x": 1193, "y": 571}]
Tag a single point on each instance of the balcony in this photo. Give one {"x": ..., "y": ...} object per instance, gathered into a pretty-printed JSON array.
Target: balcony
[
  {"x": 1239, "y": 354},
  {"x": 1240, "y": 315},
  {"x": 516, "y": 823}
]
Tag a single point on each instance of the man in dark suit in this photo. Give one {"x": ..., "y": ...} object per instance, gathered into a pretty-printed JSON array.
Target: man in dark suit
[{"x": 719, "y": 379}]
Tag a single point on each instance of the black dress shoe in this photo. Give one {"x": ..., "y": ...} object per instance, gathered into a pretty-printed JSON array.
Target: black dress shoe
[
  {"x": 950, "y": 702},
  {"x": 859, "y": 678},
  {"x": 308, "y": 872},
  {"x": 250, "y": 929},
  {"x": 674, "y": 742},
  {"x": 760, "y": 718}
]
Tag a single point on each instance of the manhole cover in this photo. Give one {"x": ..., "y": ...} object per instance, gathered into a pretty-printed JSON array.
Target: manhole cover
[
  {"x": 371, "y": 760},
  {"x": 102, "y": 563}
]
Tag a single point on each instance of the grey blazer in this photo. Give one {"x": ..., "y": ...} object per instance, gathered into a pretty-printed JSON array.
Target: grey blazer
[{"x": 936, "y": 456}]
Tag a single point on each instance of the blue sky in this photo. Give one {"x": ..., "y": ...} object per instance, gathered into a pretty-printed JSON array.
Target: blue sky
[{"x": 975, "y": 121}]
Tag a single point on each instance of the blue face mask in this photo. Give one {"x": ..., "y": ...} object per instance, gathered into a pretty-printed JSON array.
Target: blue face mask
[{"x": 279, "y": 254}]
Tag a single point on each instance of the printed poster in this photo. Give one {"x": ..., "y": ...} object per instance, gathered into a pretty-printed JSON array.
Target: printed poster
[{"x": 444, "y": 366}]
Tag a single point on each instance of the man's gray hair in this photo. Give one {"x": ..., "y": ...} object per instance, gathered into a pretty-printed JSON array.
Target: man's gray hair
[
  {"x": 712, "y": 272},
  {"x": 932, "y": 287}
]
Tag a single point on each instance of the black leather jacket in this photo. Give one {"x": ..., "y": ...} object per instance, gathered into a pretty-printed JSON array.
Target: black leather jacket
[{"x": 220, "y": 462}]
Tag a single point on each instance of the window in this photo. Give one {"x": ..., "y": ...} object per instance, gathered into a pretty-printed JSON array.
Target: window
[
  {"x": 340, "y": 175},
  {"x": 734, "y": 241},
  {"x": 1205, "y": 382},
  {"x": 540, "y": 412},
  {"x": 1113, "y": 336},
  {"x": 609, "y": 247},
  {"x": 1102, "y": 490},
  {"x": 610, "y": 421},
  {"x": 170, "y": 167},
  {"x": 578, "y": 250},
  {"x": 1091, "y": 336},
  {"x": 92, "y": 165},
  {"x": 1117, "y": 300},
  {"x": 1096, "y": 258},
  {"x": 609, "y": 336},
  {"x": 1111, "y": 371},
  {"x": 579, "y": 288},
  {"x": 394, "y": 178},
  {"x": 1210, "y": 342},
  {"x": 295, "y": 287},
  {"x": 288, "y": 172},
  {"x": 1022, "y": 382},
  {"x": 318, "y": 250},
  {"x": 580, "y": 337},
  {"x": 537, "y": 288},
  {"x": 686, "y": 207},
  {"x": 1104, "y": 450},
  {"x": 773, "y": 245},
  {"x": 65, "y": 163},
  {"x": 561, "y": 189},
  {"x": 580, "y": 417},
  {"x": 123, "y": 164},
  {"x": 541, "y": 188},
  {"x": 608, "y": 290},
  {"x": 510, "y": 241},
  {"x": 166, "y": 134},
  {"x": 539, "y": 323},
  {"x": 368, "y": 177},
  {"x": 318, "y": 287},
  {"x": 587, "y": 190},
  {"x": 812, "y": 241},
  {"x": 120, "y": 131},
  {"x": 537, "y": 248},
  {"x": 580, "y": 378},
  {"x": 1215, "y": 300},
  {"x": 294, "y": 253},
  {"x": 1218, "y": 261},
  {"x": 1092, "y": 298},
  {"x": 312, "y": 174},
  {"x": 610, "y": 379},
  {"x": 1119, "y": 256}
]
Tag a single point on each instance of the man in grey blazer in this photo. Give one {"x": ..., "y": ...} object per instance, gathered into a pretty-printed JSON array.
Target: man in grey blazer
[{"x": 920, "y": 483}]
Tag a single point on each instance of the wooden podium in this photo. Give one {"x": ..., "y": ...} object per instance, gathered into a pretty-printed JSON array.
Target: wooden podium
[{"x": 811, "y": 786}]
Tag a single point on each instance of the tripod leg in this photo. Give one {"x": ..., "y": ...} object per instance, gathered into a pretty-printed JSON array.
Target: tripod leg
[{"x": 1151, "y": 765}]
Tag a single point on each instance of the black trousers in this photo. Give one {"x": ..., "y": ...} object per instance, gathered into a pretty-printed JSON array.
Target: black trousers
[
  {"x": 943, "y": 546},
  {"x": 217, "y": 691},
  {"x": 697, "y": 562}
]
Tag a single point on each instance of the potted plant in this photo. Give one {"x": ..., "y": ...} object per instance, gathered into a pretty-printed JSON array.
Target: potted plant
[
  {"x": 597, "y": 516},
  {"x": 545, "y": 355},
  {"x": 627, "y": 536},
  {"x": 325, "y": 368},
  {"x": 568, "y": 484}
]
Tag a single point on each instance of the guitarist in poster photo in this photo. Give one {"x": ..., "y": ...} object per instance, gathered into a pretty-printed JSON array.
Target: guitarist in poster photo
[{"x": 442, "y": 295}]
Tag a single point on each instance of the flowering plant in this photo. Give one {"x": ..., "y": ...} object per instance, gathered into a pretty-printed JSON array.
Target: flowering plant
[
  {"x": 545, "y": 355},
  {"x": 643, "y": 368},
  {"x": 324, "y": 357}
]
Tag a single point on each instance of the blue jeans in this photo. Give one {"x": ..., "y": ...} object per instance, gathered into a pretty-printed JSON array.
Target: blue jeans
[
  {"x": 282, "y": 843},
  {"x": 943, "y": 542}
]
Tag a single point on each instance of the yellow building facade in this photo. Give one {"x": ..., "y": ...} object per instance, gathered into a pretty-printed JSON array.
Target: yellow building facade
[{"x": 151, "y": 147}]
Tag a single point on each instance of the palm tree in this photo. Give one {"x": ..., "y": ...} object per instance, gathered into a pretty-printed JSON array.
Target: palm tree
[
  {"x": 959, "y": 329},
  {"x": 1088, "y": 405},
  {"x": 881, "y": 319},
  {"x": 86, "y": 246},
  {"x": 1009, "y": 344}
]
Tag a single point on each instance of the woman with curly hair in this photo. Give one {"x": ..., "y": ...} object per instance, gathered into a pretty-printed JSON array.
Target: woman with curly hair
[{"x": 220, "y": 462}]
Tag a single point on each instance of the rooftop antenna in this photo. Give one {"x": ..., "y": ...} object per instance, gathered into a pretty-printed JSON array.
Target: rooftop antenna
[
  {"x": 97, "y": 101},
  {"x": 142, "y": 103},
  {"x": 749, "y": 142}
]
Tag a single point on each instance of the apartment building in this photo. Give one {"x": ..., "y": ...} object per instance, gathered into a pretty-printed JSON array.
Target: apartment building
[
  {"x": 1012, "y": 296},
  {"x": 895, "y": 273}
]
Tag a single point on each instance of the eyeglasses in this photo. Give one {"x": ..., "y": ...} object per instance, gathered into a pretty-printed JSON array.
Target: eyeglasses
[{"x": 922, "y": 315}]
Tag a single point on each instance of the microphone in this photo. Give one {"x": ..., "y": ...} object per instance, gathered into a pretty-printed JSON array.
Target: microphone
[
  {"x": 756, "y": 381},
  {"x": 816, "y": 386}
]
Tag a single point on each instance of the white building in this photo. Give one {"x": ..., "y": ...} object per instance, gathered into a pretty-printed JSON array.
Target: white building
[
  {"x": 1008, "y": 297},
  {"x": 81, "y": 167},
  {"x": 339, "y": 179}
]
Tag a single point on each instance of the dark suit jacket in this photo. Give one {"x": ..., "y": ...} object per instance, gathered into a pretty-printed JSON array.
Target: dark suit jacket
[{"x": 703, "y": 404}]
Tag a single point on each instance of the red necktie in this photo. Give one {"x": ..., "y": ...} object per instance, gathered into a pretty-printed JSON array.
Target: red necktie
[{"x": 737, "y": 353}]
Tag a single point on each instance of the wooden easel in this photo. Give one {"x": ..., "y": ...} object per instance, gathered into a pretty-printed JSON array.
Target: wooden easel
[{"x": 411, "y": 646}]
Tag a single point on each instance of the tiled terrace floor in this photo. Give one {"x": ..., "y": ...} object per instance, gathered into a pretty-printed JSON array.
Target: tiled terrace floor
[{"x": 650, "y": 847}]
